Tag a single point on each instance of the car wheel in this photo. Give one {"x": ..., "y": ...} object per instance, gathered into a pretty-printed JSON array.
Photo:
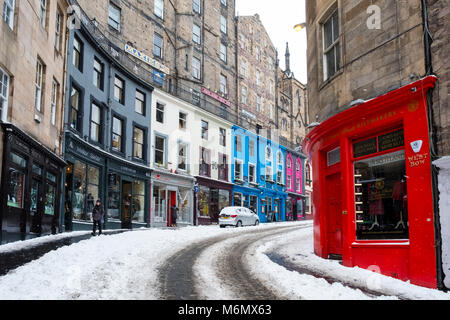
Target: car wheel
[
  {"x": 239, "y": 224},
  {"x": 256, "y": 222},
  {"x": 222, "y": 226}
]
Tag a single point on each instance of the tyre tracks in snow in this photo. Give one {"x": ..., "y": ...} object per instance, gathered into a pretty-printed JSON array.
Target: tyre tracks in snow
[{"x": 179, "y": 280}]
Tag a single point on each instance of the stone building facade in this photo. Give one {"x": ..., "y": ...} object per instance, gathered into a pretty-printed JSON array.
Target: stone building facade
[
  {"x": 256, "y": 62},
  {"x": 189, "y": 46},
  {"x": 32, "y": 57},
  {"x": 292, "y": 113}
]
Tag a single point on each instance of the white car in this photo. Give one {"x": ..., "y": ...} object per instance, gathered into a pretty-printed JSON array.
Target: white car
[{"x": 237, "y": 216}]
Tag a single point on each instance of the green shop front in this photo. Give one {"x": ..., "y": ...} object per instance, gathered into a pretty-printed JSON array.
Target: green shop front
[{"x": 122, "y": 186}]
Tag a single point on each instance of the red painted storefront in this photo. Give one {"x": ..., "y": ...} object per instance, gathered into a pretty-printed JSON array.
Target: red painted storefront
[{"x": 372, "y": 190}]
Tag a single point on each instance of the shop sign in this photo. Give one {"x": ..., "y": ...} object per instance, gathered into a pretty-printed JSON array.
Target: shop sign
[
  {"x": 158, "y": 77},
  {"x": 364, "y": 148},
  {"x": 216, "y": 96},
  {"x": 148, "y": 60},
  {"x": 79, "y": 150},
  {"x": 391, "y": 140},
  {"x": 417, "y": 160}
]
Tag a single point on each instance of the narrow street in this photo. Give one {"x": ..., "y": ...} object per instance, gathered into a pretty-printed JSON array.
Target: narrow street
[{"x": 180, "y": 281}]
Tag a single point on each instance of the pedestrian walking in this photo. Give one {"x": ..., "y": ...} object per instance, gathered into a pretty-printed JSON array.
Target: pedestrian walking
[
  {"x": 97, "y": 215},
  {"x": 174, "y": 215}
]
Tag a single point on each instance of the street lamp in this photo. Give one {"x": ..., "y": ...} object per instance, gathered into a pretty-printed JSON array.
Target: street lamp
[{"x": 300, "y": 26}]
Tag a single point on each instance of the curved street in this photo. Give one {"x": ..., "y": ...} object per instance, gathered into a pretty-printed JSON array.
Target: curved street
[{"x": 180, "y": 280}]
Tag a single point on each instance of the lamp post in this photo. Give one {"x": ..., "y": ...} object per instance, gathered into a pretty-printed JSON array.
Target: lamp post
[{"x": 300, "y": 26}]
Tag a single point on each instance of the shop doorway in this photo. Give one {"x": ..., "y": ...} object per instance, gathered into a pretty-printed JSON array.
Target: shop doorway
[
  {"x": 172, "y": 195},
  {"x": 126, "y": 204},
  {"x": 36, "y": 207},
  {"x": 334, "y": 214}
]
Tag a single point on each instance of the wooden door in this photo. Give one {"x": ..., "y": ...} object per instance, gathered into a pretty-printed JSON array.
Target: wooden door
[{"x": 334, "y": 213}]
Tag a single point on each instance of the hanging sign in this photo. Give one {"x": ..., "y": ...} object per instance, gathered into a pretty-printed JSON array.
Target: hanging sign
[{"x": 148, "y": 60}]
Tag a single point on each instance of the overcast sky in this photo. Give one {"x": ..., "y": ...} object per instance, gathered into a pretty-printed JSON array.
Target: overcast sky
[{"x": 279, "y": 18}]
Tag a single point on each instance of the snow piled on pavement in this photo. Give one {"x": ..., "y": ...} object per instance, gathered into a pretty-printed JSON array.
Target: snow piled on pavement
[
  {"x": 297, "y": 247},
  {"x": 120, "y": 266}
]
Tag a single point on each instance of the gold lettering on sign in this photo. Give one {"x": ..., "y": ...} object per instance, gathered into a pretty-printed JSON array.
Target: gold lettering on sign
[
  {"x": 413, "y": 106},
  {"x": 417, "y": 160}
]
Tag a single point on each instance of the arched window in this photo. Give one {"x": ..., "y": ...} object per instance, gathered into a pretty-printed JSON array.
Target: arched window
[
  {"x": 268, "y": 153},
  {"x": 308, "y": 174}
]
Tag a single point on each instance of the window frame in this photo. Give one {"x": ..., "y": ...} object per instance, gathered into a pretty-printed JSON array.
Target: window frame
[
  {"x": 335, "y": 45},
  {"x": 158, "y": 49},
  {"x": 100, "y": 75},
  {"x": 121, "y": 150},
  {"x": 204, "y": 131},
  {"x": 223, "y": 52},
  {"x": 223, "y": 24},
  {"x": 143, "y": 145},
  {"x": 99, "y": 124},
  {"x": 182, "y": 120},
  {"x": 142, "y": 102},
  {"x": 5, "y": 81},
  {"x": 159, "y": 111},
  {"x": 43, "y": 13},
  {"x": 196, "y": 37},
  {"x": 196, "y": 66},
  {"x": 79, "y": 122},
  {"x": 183, "y": 145},
  {"x": 58, "y": 29},
  {"x": 121, "y": 98},
  {"x": 54, "y": 101},
  {"x": 39, "y": 83},
  {"x": 77, "y": 52},
  {"x": 9, "y": 8},
  {"x": 116, "y": 24},
  {"x": 223, "y": 137},
  {"x": 158, "y": 8},
  {"x": 163, "y": 151}
]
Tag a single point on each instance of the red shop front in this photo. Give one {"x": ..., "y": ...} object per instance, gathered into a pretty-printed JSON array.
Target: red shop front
[{"x": 372, "y": 163}]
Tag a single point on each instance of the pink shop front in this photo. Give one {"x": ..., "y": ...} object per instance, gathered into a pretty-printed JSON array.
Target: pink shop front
[{"x": 295, "y": 187}]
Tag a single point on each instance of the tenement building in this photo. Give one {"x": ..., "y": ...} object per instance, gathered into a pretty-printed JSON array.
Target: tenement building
[
  {"x": 106, "y": 134},
  {"x": 32, "y": 53},
  {"x": 188, "y": 46},
  {"x": 256, "y": 62},
  {"x": 377, "y": 85}
]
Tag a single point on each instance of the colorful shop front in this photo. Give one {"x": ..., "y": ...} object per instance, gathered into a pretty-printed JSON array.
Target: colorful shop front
[
  {"x": 91, "y": 174},
  {"x": 295, "y": 201},
  {"x": 30, "y": 187},
  {"x": 170, "y": 189},
  {"x": 272, "y": 186},
  {"x": 372, "y": 195},
  {"x": 212, "y": 196}
]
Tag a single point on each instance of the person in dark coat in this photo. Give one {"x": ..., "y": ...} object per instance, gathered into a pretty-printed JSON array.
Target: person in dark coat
[
  {"x": 174, "y": 215},
  {"x": 97, "y": 215}
]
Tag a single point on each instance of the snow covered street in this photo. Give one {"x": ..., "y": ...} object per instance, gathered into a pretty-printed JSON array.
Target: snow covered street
[{"x": 127, "y": 266}]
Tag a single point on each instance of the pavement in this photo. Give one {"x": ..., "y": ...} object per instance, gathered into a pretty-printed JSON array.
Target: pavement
[{"x": 12, "y": 258}]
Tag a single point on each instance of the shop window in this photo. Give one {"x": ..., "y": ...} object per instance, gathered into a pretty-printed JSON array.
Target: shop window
[
  {"x": 159, "y": 201},
  {"x": 381, "y": 202},
  {"x": 50, "y": 195},
  {"x": 203, "y": 201},
  {"x": 138, "y": 201},
  {"x": 237, "y": 199},
  {"x": 253, "y": 205},
  {"x": 184, "y": 205},
  {"x": 16, "y": 182},
  {"x": 86, "y": 181},
  {"x": 113, "y": 196}
]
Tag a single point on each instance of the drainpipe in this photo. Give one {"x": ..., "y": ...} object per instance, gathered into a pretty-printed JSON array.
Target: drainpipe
[{"x": 433, "y": 147}]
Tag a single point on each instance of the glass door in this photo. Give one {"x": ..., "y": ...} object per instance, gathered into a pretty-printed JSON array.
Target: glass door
[
  {"x": 126, "y": 203},
  {"x": 34, "y": 221}
]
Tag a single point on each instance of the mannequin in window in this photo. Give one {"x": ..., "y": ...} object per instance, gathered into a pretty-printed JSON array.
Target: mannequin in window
[
  {"x": 399, "y": 198},
  {"x": 376, "y": 207}
]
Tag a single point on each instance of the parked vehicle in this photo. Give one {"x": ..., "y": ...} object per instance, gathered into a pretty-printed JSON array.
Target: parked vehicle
[{"x": 237, "y": 216}]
